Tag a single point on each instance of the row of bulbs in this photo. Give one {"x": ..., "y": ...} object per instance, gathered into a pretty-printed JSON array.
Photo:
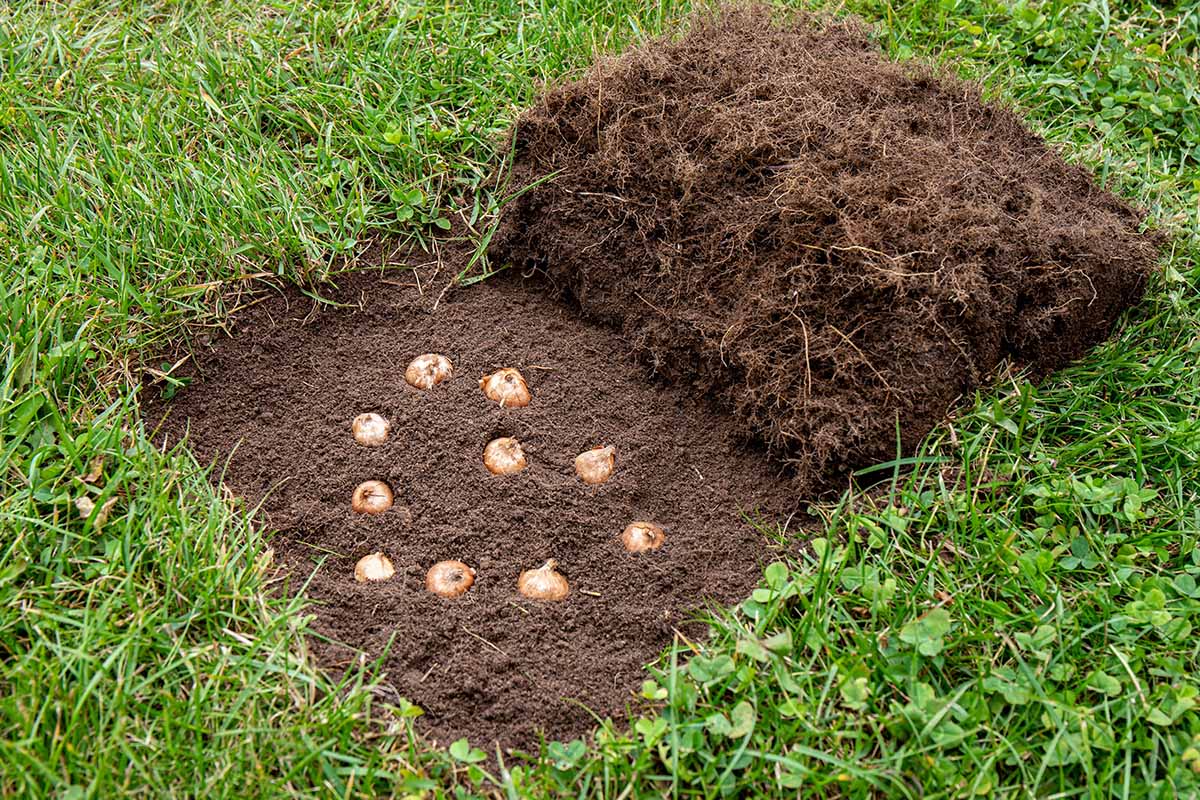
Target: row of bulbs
[{"x": 502, "y": 456}]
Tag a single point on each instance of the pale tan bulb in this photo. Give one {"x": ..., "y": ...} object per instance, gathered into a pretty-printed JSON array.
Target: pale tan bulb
[
  {"x": 543, "y": 583},
  {"x": 428, "y": 370},
  {"x": 595, "y": 466},
  {"x": 449, "y": 578},
  {"x": 504, "y": 456},
  {"x": 641, "y": 536},
  {"x": 375, "y": 567},
  {"x": 507, "y": 387},
  {"x": 370, "y": 429},
  {"x": 371, "y": 497}
]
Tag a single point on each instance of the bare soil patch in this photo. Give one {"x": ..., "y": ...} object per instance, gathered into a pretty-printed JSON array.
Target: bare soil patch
[{"x": 276, "y": 401}]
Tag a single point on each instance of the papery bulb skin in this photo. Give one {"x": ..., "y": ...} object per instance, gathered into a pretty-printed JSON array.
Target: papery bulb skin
[
  {"x": 373, "y": 568},
  {"x": 544, "y": 583},
  {"x": 371, "y": 497},
  {"x": 638, "y": 537},
  {"x": 596, "y": 466},
  {"x": 449, "y": 579},
  {"x": 507, "y": 387},
  {"x": 504, "y": 456},
  {"x": 428, "y": 370},
  {"x": 370, "y": 429}
]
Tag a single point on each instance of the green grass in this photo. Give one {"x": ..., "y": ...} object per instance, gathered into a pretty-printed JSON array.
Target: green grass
[{"x": 1012, "y": 618}]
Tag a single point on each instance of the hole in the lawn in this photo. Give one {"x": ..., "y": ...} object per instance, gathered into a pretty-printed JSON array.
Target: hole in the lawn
[{"x": 492, "y": 662}]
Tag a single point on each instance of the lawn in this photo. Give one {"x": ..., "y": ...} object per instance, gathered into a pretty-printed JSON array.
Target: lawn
[{"x": 1009, "y": 613}]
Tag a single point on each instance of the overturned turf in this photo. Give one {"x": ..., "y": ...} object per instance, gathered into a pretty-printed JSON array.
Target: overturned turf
[{"x": 834, "y": 244}]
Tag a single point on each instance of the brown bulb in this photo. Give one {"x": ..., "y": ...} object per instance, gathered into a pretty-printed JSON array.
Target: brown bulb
[
  {"x": 371, "y": 497},
  {"x": 507, "y": 387},
  {"x": 370, "y": 429},
  {"x": 543, "y": 583},
  {"x": 595, "y": 466},
  {"x": 504, "y": 456},
  {"x": 375, "y": 567},
  {"x": 428, "y": 371},
  {"x": 449, "y": 578},
  {"x": 641, "y": 536}
]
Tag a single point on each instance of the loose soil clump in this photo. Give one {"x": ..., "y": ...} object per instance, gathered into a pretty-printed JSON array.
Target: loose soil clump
[
  {"x": 274, "y": 405},
  {"x": 830, "y": 242}
]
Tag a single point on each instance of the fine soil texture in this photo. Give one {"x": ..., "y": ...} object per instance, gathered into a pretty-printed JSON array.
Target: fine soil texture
[
  {"x": 275, "y": 400},
  {"x": 835, "y": 245}
]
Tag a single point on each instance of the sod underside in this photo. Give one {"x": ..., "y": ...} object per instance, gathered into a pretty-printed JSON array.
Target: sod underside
[{"x": 836, "y": 245}]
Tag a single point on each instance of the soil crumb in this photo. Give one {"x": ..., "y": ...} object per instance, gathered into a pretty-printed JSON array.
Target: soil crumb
[
  {"x": 276, "y": 400},
  {"x": 832, "y": 242}
]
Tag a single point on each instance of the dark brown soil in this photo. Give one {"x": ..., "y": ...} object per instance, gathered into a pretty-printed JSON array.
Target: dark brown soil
[
  {"x": 829, "y": 241},
  {"x": 277, "y": 400}
]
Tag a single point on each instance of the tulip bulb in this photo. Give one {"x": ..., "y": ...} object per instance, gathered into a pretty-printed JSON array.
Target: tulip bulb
[
  {"x": 507, "y": 387},
  {"x": 449, "y": 578},
  {"x": 375, "y": 567},
  {"x": 370, "y": 429},
  {"x": 428, "y": 370},
  {"x": 639, "y": 537},
  {"x": 543, "y": 583},
  {"x": 504, "y": 456},
  {"x": 371, "y": 497},
  {"x": 595, "y": 466}
]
